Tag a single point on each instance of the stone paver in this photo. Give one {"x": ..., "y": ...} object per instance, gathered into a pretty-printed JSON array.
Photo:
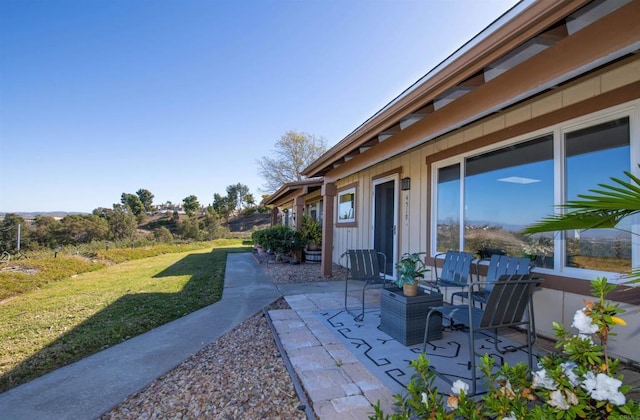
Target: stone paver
[{"x": 339, "y": 386}]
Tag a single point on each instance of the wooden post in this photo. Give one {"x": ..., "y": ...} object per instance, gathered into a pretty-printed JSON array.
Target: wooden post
[{"x": 329, "y": 192}]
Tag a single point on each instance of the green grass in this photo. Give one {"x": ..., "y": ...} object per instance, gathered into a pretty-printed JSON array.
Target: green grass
[
  {"x": 66, "y": 320},
  {"x": 49, "y": 269}
]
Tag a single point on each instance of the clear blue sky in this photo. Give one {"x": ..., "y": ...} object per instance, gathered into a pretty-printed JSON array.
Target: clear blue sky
[{"x": 101, "y": 97}]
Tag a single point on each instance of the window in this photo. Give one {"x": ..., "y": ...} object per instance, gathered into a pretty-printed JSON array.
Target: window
[
  {"x": 505, "y": 191},
  {"x": 593, "y": 155},
  {"x": 448, "y": 208},
  {"x": 347, "y": 206},
  {"x": 484, "y": 200},
  {"x": 314, "y": 211}
]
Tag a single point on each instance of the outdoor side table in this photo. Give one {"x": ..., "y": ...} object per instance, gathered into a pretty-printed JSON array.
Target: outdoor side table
[{"x": 404, "y": 318}]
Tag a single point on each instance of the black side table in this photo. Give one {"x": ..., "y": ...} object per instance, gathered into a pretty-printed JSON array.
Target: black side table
[{"x": 404, "y": 318}]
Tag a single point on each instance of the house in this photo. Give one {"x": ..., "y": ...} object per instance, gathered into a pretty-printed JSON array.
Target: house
[
  {"x": 540, "y": 106},
  {"x": 294, "y": 199}
]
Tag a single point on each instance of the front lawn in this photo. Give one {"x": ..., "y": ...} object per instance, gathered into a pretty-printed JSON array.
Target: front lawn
[{"x": 67, "y": 320}]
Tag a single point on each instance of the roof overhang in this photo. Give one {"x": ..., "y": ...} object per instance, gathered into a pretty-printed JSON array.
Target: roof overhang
[
  {"x": 525, "y": 36},
  {"x": 291, "y": 190}
]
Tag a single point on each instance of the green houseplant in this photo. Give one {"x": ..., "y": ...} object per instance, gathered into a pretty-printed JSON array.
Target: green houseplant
[
  {"x": 311, "y": 233},
  {"x": 411, "y": 267}
]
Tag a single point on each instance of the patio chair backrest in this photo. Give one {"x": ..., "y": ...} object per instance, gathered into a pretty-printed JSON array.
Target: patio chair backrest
[
  {"x": 456, "y": 268},
  {"x": 503, "y": 264},
  {"x": 508, "y": 300},
  {"x": 365, "y": 264}
]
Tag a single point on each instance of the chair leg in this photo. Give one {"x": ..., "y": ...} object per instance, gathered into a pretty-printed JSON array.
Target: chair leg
[
  {"x": 472, "y": 359},
  {"x": 346, "y": 286},
  {"x": 426, "y": 331},
  {"x": 361, "y": 316}
]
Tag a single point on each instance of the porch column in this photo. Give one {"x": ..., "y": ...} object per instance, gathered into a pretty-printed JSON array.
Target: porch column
[
  {"x": 298, "y": 208},
  {"x": 274, "y": 215},
  {"x": 329, "y": 192}
]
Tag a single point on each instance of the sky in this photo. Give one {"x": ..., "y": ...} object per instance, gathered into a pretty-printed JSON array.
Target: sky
[{"x": 101, "y": 97}]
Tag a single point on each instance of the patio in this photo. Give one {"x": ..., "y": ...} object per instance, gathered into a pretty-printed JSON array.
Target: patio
[{"x": 338, "y": 379}]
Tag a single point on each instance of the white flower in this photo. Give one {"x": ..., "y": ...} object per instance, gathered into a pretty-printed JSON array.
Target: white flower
[
  {"x": 512, "y": 416},
  {"x": 459, "y": 386},
  {"x": 541, "y": 380},
  {"x": 603, "y": 388},
  {"x": 583, "y": 323},
  {"x": 567, "y": 368},
  {"x": 425, "y": 399},
  {"x": 558, "y": 400}
]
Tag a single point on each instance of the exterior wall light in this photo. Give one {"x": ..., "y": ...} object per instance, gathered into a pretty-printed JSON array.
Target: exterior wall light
[{"x": 405, "y": 184}]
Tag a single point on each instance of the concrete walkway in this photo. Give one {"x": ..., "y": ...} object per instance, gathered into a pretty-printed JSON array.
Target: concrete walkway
[{"x": 92, "y": 386}]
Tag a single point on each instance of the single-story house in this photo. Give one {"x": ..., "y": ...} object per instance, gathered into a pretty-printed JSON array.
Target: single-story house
[
  {"x": 542, "y": 105},
  {"x": 294, "y": 199}
]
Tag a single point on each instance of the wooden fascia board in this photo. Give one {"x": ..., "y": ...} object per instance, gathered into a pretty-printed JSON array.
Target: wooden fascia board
[
  {"x": 605, "y": 37},
  {"x": 292, "y": 189},
  {"x": 521, "y": 28}
]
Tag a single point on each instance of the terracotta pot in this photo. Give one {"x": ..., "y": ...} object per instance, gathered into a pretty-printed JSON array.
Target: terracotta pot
[{"x": 410, "y": 289}]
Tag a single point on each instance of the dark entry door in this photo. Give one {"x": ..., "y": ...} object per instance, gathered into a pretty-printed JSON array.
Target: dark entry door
[{"x": 384, "y": 222}]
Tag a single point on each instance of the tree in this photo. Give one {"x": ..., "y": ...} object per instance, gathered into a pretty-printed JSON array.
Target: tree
[
  {"x": 122, "y": 223},
  {"x": 213, "y": 228},
  {"x": 146, "y": 198},
  {"x": 9, "y": 231},
  {"x": 133, "y": 203},
  {"x": 45, "y": 231},
  {"x": 77, "y": 229},
  {"x": 191, "y": 204},
  {"x": 249, "y": 200},
  {"x": 189, "y": 229},
  {"x": 237, "y": 196},
  {"x": 293, "y": 153},
  {"x": 221, "y": 205}
]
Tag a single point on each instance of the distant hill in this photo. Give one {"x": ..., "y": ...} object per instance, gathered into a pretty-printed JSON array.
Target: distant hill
[
  {"x": 242, "y": 223},
  {"x": 33, "y": 214}
]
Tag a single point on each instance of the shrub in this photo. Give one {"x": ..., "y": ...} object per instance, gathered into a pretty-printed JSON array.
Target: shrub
[
  {"x": 162, "y": 234},
  {"x": 279, "y": 239}
]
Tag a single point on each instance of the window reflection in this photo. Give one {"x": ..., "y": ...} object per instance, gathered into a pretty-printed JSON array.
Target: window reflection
[
  {"x": 346, "y": 206},
  {"x": 593, "y": 156},
  {"x": 448, "y": 208},
  {"x": 505, "y": 191}
]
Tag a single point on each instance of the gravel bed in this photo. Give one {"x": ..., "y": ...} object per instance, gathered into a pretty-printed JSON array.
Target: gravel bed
[
  {"x": 283, "y": 273},
  {"x": 239, "y": 376}
]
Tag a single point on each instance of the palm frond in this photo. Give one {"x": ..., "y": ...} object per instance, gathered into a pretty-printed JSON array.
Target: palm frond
[{"x": 604, "y": 208}]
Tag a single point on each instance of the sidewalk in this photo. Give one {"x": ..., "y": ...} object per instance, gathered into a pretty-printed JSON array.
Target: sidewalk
[{"x": 90, "y": 387}]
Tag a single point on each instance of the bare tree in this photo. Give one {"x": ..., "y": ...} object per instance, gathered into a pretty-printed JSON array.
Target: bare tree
[{"x": 293, "y": 153}]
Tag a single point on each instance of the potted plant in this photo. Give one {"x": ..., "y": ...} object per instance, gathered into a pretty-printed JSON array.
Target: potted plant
[
  {"x": 311, "y": 232},
  {"x": 411, "y": 267}
]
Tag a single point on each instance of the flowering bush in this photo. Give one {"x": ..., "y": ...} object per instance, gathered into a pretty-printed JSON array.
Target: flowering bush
[{"x": 579, "y": 383}]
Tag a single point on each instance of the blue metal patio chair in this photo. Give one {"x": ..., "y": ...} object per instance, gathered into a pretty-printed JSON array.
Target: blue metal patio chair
[
  {"x": 510, "y": 296},
  {"x": 499, "y": 265},
  {"x": 455, "y": 271},
  {"x": 364, "y": 265}
]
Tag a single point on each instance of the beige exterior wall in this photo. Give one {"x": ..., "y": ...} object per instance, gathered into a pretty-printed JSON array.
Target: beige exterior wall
[{"x": 413, "y": 225}]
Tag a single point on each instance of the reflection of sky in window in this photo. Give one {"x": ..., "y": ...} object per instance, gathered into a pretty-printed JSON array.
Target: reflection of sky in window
[
  {"x": 587, "y": 170},
  {"x": 449, "y": 195},
  {"x": 510, "y": 197},
  {"x": 594, "y": 155},
  {"x": 449, "y": 202}
]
